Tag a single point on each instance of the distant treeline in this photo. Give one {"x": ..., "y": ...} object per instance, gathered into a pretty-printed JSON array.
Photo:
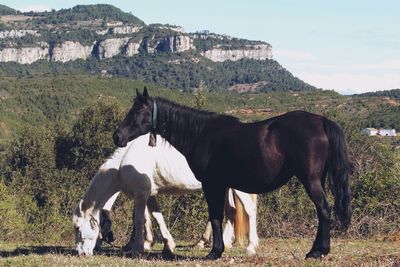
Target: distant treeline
[{"x": 394, "y": 93}]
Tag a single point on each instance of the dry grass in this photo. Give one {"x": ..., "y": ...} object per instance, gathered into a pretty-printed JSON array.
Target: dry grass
[{"x": 272, "y": 252}]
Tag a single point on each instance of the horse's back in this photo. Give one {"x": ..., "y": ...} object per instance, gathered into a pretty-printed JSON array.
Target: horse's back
[
  {"x": 162, "y": 168},
  {"x": 262, "y": 156},
  {"x": 114, "y": 161}
]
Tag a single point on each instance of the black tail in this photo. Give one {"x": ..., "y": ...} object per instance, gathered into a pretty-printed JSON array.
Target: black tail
[{"x": 339, "y": 169}]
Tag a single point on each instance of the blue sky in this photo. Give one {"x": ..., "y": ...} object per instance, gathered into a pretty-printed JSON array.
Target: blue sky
[{"x": 350, "y": 46}]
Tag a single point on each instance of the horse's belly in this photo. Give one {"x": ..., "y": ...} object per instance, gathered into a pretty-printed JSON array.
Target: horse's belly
[{"x": 257, "y": 182}]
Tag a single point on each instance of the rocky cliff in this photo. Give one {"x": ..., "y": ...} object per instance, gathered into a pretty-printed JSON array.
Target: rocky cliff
[
  {"x": 70, "y": 50},
  {"x": 257, "y": 52},
  {"x": 25, "y": 55},
  {"x": 83, "y": 39}
]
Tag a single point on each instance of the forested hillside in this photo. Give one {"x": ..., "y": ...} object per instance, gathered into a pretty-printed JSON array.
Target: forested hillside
[
  {"x": 104, "y": 40},
  {"x": 41, "y": 100}
]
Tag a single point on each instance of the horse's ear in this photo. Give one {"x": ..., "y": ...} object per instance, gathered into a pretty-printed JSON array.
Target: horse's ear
[
  {"x": 145, "y": 93},
  {"x": 137, "y": 92}
]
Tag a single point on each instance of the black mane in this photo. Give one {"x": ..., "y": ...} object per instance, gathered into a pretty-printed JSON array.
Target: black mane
[{"x": 181, "y": 124}]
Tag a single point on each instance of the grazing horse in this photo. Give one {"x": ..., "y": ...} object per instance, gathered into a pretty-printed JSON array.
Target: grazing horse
[
  {"x": 141, "y": 172},
  {"x": 254, "y": 157}
]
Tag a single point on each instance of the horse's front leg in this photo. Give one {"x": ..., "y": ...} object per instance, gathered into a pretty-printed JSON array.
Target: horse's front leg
[
  {"x": 215, "y": 197},
  {"x": 206, "y": 237},
  {"x": 169, "y": 243},
  {"x": 148, "y": 231},
  {"x": 140, "y": 206}
]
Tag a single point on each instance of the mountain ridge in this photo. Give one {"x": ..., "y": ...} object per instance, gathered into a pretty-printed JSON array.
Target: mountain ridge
[{"x": 103, "y": 33}]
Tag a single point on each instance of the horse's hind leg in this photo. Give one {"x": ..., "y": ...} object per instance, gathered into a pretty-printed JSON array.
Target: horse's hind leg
[
  {"x": 230, "y": 212},
  {"x": 316, "y": 192},
  {"x": 250, "y": 206},
  {"x": 169, "y": 243}
]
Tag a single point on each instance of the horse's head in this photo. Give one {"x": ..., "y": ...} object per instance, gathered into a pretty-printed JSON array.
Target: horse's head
[
  {"x": 137, "y": 122},
  {"x": 87, "y": 230}
]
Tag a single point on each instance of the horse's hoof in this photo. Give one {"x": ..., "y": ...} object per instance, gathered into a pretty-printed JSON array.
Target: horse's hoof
[
  {"x": 213, "y": 255},
  {"x": 168, "y": 255},
  {"x": 250, "y": 250},
  {"x": 147, "y": 245},
  {"x": 127, "y": 248},
  {"x": 199, "y": 244},
  {"x": 132, "y": 253},
  {"x": 314, "y": 255},
  {"x": 228, "y": 245}
]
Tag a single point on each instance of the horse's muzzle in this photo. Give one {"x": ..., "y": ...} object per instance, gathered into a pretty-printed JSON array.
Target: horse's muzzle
[{"x": 118, "y": 139}]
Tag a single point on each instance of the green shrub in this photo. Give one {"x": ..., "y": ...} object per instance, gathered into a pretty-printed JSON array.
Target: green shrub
[{"x": 12, "y": 220}]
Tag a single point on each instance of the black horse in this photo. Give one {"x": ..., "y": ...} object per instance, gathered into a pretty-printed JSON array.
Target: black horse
[{"x": 252, "y": 157}]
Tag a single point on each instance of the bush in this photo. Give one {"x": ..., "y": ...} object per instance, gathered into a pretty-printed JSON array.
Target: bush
[{"x": 13, "y": 222}]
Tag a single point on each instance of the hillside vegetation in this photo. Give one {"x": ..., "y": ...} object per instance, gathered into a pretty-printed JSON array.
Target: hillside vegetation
[
  {"x": 172, "y": 71},
  {"x": 35, "y": 101},
  {"x": 5, "y": 10},
  {"x": 57, "y": 131},
  {"x": 393, "y": 93}
]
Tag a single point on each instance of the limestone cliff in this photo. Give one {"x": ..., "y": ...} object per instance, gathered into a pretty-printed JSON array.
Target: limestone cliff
[
  {"x": 128, "y": 40},
  {"x": 111, "y": 47},
  {"x": 257, "y": 52},
  {"x": 25, "y": 55},
  {"x": 70, "y": 50}
]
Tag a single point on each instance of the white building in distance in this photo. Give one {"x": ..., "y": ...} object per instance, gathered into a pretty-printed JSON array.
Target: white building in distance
[{"x": 381, "y": 132}]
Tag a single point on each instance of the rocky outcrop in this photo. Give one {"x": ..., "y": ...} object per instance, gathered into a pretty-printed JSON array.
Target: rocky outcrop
[
  {"x": 257, "y": 52},
  {"x": 132, "y": 49},
  {"x": 177, "y": 43},
  {"x": 126, "y": 29},
  {"x": 182, "y": 43},
  {"x": 26, "y": 55},
  {"x": 71, "y": 50},
  {"x": 111, "y": 47},
  {"x": 17, "y": 33}
]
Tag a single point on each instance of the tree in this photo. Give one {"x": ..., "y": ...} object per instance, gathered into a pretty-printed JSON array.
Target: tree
[{"x": 200, "y": 96}]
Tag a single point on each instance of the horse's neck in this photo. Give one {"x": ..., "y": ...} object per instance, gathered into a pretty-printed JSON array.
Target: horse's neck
[
  {"x": 103, "y": 186},
  {"x": 96, "y": 197},
  {"x": 181, "y": 125}
]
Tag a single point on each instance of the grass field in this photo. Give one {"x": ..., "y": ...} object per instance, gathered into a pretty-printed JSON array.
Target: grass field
[{"x": 272, "y": 252}]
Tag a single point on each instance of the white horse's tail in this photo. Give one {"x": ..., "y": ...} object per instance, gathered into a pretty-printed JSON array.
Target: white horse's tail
[{"x": 241, "y": 221}]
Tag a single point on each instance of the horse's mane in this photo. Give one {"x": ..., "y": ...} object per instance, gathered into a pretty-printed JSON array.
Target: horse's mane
[{"x": 180, "y": 125}]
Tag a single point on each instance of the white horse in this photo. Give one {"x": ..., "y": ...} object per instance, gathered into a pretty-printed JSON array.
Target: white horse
[{"x": 141, "y": 172}]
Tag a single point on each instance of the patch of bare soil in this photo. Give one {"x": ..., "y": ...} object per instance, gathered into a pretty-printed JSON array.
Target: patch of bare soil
[
  {"x": 247, "y": 87},
  {"x": 10, "y": 18}
]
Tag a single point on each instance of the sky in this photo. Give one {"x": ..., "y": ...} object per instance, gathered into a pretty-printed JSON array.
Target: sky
[{"x": 350, "y": 46}]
